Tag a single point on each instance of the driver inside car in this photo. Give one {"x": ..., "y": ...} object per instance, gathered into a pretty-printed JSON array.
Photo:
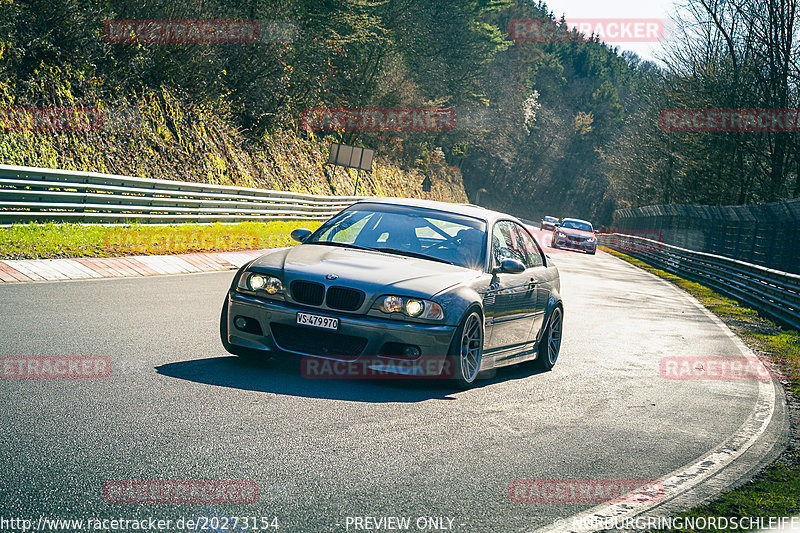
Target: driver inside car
[{"x": 468, "y": 252}]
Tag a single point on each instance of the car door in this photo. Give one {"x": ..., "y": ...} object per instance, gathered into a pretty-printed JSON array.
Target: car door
[
  {"x": 511, "y": 314},
  {"x": 538, "y": 274}
]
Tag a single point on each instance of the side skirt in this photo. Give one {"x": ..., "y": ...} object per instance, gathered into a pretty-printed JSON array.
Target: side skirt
[{"x": 514, "y": 355}]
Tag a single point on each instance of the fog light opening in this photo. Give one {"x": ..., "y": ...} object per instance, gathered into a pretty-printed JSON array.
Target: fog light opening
[
  {"x": 248, "y": 325},
  {"x": 398, "y": 350},
  {"x": 411, "y": 351}
]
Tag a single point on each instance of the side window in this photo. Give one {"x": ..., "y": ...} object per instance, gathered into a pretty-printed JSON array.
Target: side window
[
  {"x": 506, "y": 244},
  {"x": 528, "y": 247}
]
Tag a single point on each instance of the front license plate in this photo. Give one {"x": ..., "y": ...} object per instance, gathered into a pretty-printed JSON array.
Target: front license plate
[{"x": 317, "y": 321}]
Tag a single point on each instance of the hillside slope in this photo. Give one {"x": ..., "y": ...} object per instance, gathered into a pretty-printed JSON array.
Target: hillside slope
[{"x": 160, "y": 136}]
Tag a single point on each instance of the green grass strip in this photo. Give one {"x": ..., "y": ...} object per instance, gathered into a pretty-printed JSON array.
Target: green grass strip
[{"x": 58, "y": 240}]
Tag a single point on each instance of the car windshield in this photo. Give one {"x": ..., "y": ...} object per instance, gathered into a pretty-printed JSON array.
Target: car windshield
[
  {"x": 550, "y": 219},
  {"x": 408, "y": 231},
  {"x": 576, "y": 224}
]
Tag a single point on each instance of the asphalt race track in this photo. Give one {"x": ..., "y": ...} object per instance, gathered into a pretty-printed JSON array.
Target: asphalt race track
[{"x": 177, "y": 407}]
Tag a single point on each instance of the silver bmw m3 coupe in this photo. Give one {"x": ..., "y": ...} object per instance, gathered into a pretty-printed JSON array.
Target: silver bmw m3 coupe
[{"x": 398, "y": 280}]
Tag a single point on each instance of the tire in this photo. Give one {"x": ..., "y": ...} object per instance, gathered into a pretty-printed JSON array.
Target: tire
[
  {"x": 246, "y": 354},
  {"x": 550, "y": 345},
  {"x": 593, "y": 252},
  {"x": 466, "y": 350}
]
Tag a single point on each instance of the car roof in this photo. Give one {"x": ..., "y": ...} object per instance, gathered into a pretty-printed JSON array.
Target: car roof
[
  {"x": 469, "y": 210},
  {"x": 577, "y": 220}
]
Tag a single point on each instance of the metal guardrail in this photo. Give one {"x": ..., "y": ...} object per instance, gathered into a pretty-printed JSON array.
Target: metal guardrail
[
  {"x": 30, "y": 194},
  {"x": 763, "y": 234},
  {"x": 773, "y": 292}
]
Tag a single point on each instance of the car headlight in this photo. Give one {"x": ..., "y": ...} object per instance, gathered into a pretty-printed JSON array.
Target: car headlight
[
  {"x": 412, "y": 307},
  {"x": 391, "y": 304},
  {"x": 255, "y": 281}
]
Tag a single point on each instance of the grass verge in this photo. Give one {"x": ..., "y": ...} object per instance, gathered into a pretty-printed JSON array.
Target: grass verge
[
  {"x": 775, "y": 492},
  {"x": 57, "y": 240}
]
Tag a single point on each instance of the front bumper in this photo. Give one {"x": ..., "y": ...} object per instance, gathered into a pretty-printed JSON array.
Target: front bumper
[
  {"x": 357, "y": 337},
  {"x": 575, "y": 244}
]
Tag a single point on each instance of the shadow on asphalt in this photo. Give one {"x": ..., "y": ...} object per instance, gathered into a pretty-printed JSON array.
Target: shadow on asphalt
[{"x": 282, "y": 376}]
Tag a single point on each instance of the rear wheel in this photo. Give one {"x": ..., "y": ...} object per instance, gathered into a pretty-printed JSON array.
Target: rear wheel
[
  {"x": 550, "y": 345},
  {"x": 246, "y": 354},
  {"x": 466, "y": 350}
]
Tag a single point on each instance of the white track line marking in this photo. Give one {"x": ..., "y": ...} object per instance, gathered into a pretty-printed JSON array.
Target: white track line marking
[{"x": 687, "y": 477}]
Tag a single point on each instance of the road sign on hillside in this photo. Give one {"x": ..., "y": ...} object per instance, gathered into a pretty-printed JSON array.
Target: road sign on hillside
[
  {"x": 344, "y": 155},
  {"x": 356, "y": 157}
]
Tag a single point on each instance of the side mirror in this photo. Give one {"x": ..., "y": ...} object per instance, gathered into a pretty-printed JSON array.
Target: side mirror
[
  {"x": 301, "y": 234},
  {"x": 510, "y": 266}
]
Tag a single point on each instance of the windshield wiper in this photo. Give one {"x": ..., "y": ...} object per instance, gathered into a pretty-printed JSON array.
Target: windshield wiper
[
  {"x": 341, "y": 245},
  {"x": 387, "y": 250},
  {"x": 411, "y": 254}
]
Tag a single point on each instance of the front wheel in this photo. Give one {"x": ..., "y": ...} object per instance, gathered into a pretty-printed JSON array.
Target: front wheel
[
  {"x": 550, "y": 345},
  {"x": 466, "y": 350}
]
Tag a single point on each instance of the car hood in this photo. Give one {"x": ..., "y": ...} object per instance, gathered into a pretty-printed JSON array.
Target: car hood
[
  {"x": 576, "y": 232},
  {"x": 369, "y": 271}
]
